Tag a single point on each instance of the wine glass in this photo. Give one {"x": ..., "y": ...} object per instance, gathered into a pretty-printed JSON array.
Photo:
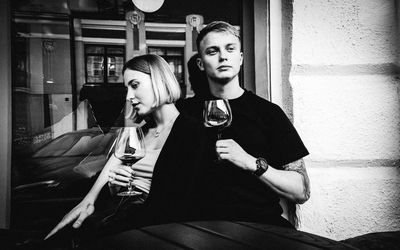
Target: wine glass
[
  {"x": 129, "y": 148},
  {"x": 217, "y": 114}
]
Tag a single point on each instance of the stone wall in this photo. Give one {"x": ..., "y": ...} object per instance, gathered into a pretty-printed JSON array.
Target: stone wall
[{"x": 345, "y": 88}]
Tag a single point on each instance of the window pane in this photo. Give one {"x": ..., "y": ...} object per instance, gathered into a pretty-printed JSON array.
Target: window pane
[
  {"x": 174, "y": 52},
  {"x": 42, "y": 88},
  {"x": 157, "y": 51},
  {"x": 114, "y": 66},
  {"x": 94, "y": 50},
  {"x": 95, "y": 69},
  {"x": 115, "y": 50}
]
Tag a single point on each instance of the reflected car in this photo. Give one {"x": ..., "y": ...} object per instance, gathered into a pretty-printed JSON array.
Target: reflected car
[{"x": 55, "y": 177}]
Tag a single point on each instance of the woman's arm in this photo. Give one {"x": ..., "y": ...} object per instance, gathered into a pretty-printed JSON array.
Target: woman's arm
[
  {"x": 291, "y": 183},
  {"x": 86, "y": 207}
]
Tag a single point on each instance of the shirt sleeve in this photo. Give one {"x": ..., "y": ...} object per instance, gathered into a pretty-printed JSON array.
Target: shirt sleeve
[{"x": 287, "y": 144}]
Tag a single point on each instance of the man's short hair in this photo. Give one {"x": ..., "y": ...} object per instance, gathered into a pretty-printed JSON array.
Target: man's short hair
[
  {"x": 216, "y": 26},
  {"x": 166, "y": 87}
]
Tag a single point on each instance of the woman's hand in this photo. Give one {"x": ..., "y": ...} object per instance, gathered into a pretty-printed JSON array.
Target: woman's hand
[
  {"x": 120, "y": 174},
  {"x": 77, "y": 215},
  {"x": 231, "y": 151}
]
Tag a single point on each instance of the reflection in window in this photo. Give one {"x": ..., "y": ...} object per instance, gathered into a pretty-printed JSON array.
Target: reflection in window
[
  {"x": 174, "y": 57},
  {"x": 104, "y": 63},
  {"x": 42, "y": 85},
  {"x": 115, "y": 64},
  {"x": 94, "y": 69}
]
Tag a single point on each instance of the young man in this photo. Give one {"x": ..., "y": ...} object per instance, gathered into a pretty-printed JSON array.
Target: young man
[{"x": 260, "y": 153}]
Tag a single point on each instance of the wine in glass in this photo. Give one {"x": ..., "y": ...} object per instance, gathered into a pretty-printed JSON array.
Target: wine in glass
[
  {"x": 217, "y": 114},
  {"x": 129, "y": 148}
]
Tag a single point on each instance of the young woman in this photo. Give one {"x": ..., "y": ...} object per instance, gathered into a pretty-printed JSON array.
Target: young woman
[{"x": 173, "y": 150}]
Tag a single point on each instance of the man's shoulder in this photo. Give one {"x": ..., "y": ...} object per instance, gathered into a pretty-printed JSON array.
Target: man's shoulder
[
  {"x": 191, "y": 107},
  {"x": 186, "y": 120},
  {"x": 190, "y": 101},
  {"x": 260, "y": 102}
]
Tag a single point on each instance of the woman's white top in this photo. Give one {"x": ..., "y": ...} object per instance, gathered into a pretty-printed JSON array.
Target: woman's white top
[{"x": 144, "y": 167}]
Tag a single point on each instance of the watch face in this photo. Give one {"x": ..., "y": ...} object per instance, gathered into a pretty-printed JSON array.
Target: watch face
[
  {"x": 262, "y": 162},
  {"x": 262, "y": 166}
]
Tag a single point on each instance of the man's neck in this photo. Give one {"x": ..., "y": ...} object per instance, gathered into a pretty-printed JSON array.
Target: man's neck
[{"x": 230, "y": 90}]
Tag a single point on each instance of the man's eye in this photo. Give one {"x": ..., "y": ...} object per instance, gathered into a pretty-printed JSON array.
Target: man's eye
[
  {"x": 230, "y": 49},
  {"x": 211, "y": 52}
]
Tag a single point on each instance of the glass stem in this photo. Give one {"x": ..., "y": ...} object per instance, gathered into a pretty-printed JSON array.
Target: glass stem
[
  {"x": 130, "y": 182},
  {"x": 219, "y": 133}
]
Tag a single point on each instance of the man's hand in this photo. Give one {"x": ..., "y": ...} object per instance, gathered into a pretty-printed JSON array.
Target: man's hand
[
  {"x": 231, "y": 151},
  {"x": 77, "y": 214}
]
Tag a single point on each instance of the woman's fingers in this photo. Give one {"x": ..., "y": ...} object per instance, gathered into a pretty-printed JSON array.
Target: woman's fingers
[
  {"x": 80, "y": 213},
  {"x": 124, "y": 171},
  {"x": 114, "y": 179},
  {"x": 120, "y": 176},
  {"x": 83, "y": 215},
  {"x": 66, "y": 220}
]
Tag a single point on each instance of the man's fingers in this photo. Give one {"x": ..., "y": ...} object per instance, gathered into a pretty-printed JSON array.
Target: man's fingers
[{"x": 224, "y": 143}]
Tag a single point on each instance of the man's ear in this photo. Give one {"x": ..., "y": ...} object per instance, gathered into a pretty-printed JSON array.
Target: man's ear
[
  {"x": 241, "y": 58},
  {"x": 200, "y": 64}
]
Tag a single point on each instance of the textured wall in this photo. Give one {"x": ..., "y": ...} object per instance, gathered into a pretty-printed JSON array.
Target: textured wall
[
  {"x": 351, "y": 200},
  {"x": 344, "y": 32},
  {"x": 348, "y": 116},
  {"x": 346, "y": 107}
]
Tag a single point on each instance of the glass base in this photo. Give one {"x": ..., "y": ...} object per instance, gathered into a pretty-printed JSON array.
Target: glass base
[{"x": 129, "y": 193}]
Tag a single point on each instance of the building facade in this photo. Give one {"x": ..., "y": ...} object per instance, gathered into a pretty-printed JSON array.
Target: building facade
[{"x": 333, "y": 66}]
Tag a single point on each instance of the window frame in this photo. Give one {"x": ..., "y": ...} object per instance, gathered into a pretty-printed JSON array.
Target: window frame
[{"x": 105, "y": 55}]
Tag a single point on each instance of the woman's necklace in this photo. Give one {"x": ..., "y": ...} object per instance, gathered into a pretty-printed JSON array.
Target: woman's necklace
[{"x": 158, "y": 132}]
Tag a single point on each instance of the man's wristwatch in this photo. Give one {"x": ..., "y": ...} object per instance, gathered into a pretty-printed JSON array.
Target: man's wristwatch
[{"x": 262, "y": 167}]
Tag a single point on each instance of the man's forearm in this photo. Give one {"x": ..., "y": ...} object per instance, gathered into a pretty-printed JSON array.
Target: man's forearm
[{"x": 292, "y": 182}]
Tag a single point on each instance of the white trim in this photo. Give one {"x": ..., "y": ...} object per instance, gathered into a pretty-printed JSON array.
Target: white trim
[
  {"x": 167, "y": 43},
  {"x": 40, "y": 21},
  {"x": 5, "y": 114},
  {"x": 100, "y": 40},
  {"x": 103, "y": 22},
  {"x": 169, "y": 29},
  {"x": 42, "y": 35},
  {"x": 276, "y": 52},
  {"x": 165, "y": 25},
  {"x": 103, "y": 27}
]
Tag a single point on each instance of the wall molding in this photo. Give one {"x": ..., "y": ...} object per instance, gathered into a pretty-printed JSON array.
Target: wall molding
[
  {"x": 378, "y": 163},
  {"x": 350, "y": 69}
]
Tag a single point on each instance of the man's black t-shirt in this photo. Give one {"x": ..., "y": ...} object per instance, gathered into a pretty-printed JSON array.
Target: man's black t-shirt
[{"x": 262, "y": 129}]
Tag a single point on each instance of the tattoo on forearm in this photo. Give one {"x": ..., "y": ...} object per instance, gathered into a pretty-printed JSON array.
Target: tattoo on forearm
[{"x": 299, "y": 167}]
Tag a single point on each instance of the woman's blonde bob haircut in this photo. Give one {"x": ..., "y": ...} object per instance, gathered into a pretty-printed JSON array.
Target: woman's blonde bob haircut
[{"x": 165, "y": 86}]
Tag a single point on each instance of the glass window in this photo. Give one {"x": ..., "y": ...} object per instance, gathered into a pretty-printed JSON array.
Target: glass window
[
  {"x": 94, "y": 50},
  {"x": 114, "y": 67},
  {"x": 95, "y": 69},
  {"x": 174, "y": 57},
  {"x": 104, "y": 64}
]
